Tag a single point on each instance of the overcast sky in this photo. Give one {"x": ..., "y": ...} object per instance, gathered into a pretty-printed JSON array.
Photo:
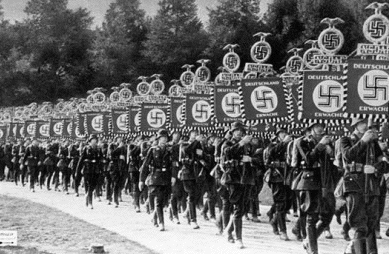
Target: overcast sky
[{"x": 13, "y": 9}]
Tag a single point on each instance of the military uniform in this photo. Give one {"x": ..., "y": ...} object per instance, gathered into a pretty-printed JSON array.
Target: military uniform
[
  {"x": 276, "y": 177},
  {"x": 32, "y": 159},
  {"x": 90, "y": 164},
  {"x": 15, "y": 162},
  {"x": 362, "y": 190},
  {"x": 178, "y": 193},
  {"x": 117, "y": 170},
  {"x": 63, "y": 166},
  {"x": 156, "y": 173},
  {"x": 315, "y": 175},
  {"x": 134, "y": 164},
  {"x": 240, "y": 178},
  {"x": 74, "y": 156}
]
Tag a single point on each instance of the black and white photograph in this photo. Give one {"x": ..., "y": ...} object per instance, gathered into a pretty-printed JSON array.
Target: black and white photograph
[{"x": 194, "y": 126}]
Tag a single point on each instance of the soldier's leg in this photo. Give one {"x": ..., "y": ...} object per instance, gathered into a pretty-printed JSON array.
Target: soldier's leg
[
  {"x": 190, "y": 189},
  {"x": 23, "y": 177},
  {"x": 42, "y": 176},
  {"x": 159, "y": 205},
  {"x": 327, "y": 212},
  {"x": 357, "y": 219},
  {"x": 134, "y": 179},
  {"x": 56, "y": 178},
  {"x": 109, "y": 185},
  {"x": 238, "y": 197},
  {"x": 50, "y": 171},
  {"x": 310, "y": 206},
  {"x": 17, "y": 173},
  {"x": 32, "y": 170},
  {"x": 372, "y": 219},
  {"x": 65, "y": 179}
]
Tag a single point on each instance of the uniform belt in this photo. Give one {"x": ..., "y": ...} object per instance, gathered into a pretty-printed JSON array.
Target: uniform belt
[
  {"x": 314, "y": 165},
  {"x": 355, "y": 167},
  {"x": 122, "y": 157},
  {"x": 279, "y": 164}
]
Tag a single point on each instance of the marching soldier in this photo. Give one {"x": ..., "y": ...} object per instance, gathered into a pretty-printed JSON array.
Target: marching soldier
[
  {"x": 364, "y": 163},
  {"x": 15, "y": 160},
  {"x": 178, "y": 193},
  {"x": 22, "y": 161},
  {"x": 118, "y": 157},
  {"x": 89, "y": 167},
  {"x": 63, "y": 166},
  {"x": 156, "y": 168},
  {"x": 276, "y": 177},
  {"x": 315, "y": 159},
  {"x": 32, "y": 159},
  {"x": 134, "y": 164},
  {"x": 74, "y": 156},
  {"x": 191, "y": 158},
  {"x": 239, "y": 176}
]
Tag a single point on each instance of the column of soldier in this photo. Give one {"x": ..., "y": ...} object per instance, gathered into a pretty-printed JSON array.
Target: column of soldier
[{"x": 306, "y": 173}]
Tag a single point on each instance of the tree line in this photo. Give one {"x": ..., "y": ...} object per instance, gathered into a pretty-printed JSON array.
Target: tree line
[{"x": 55, "y": 53}]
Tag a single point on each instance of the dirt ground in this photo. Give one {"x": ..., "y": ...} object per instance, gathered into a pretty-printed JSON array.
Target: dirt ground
[
  {"x": 69, "y": 237},
  {"x": 44, "y": 230}
]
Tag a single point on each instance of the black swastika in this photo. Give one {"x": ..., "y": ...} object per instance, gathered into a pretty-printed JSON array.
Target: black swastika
[
  {"x": 329, "y": 97},
  {"x": 201, "y": 111},
  {"x": 231, "y": 62},
  {"x": 232, "y": 105},
  {"x": 331, "y": 41},
  {"x": 376, "y": 28},
  {"x": 260, "y": 52},
  {"x": 263, "y": 100},
  {"x": 375, "y": 89},
  {"x": 295, "y": 65},
  {"x": 97, "y": 123},
  {"x": 188, "y": 78},
  {"x": 157, "y": 118}
]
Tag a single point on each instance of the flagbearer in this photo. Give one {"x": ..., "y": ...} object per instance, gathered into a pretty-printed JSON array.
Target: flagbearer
[
  {"x": 364, "y": 164},
  {"x": 156, "y": 168},
  {"x": 238, "y": 160},
  {"x": 90, "y": 167},
  {"x": 32, "y": 159},
  {"x": 276, "y": 177}
]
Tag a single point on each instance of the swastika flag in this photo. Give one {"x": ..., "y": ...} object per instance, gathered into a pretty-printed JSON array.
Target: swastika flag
[
  {"x": 97, "y": 122},
  {"x": 323, "y": 95},
  {"x": 367, "y": 87},
  {"x": 227, "y": 104},
  {"x": 177, "y": 117},
  {"x": 153, "y": 116},
  {"x": 119, "y": 121},
  {"x": 198, "y": 111},
  {"x": 56, "y": 127},
  {"x": 263, "y": 99}
]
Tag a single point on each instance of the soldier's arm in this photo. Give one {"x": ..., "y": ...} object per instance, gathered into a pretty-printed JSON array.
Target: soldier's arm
[
  {"x": 351, "y": 152},
  {"x": 311, "y": 156},
  {"x": 144, "y": 169}
]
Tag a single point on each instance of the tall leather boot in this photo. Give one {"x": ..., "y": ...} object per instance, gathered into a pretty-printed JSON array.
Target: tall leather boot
[
  {"x": 274, "y": 224},
  {"x": 230, "y": 228},
  {"x": 238, "y": 230},
  {"x": 359, "y": 246},
  {"x": 219, "y": 224},
  {"x": 160, "y": 217},
  {"x": 371, "y": 243},
  {"x": 282, "y": 225},
  {"x": 311, "y": 234}
]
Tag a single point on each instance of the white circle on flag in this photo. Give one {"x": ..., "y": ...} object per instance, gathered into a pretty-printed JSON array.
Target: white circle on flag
[
  {"x": 30, "y": 129},
  {"x": 121, "y": 122},
  {"x": 69, "y": 129},
  {"x": 137, "y": 120},
  {"x": 231, "y": 105},
  {"x": 44, "y": 130},
  {"x": 373, "y": 88},
  {"x": 57, "y": 128},
  {"x": 179, "y": 114},
  {"x": 1, "y": 133},
  {"x": 14, "y": 130},
  {"x": 264, "y": 99},
  {"x": 21, "y": 131},
  {"x": 156, "y": 118},
  {"x": 328, "y": 96},
  {"x": 201, "y": 111},
  {"x": 97, "y": 123}
]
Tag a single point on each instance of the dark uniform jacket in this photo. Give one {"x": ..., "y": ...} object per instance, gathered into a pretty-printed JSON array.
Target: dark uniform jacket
[
  {"x": 90, "y": 160},
  {"x": 157, "y": 166},
  {"x": 134, "y": 158},
  {"x": 276, "y": 161},
  {"x": 118, "y": 159},
  {"x": 308, "y": 157},
  {"x": 192, "y": 167},
  {"x": 31, "y": 157},
  {"x": 356, "y": 154},
  {"x": 240, "y": 172}
]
